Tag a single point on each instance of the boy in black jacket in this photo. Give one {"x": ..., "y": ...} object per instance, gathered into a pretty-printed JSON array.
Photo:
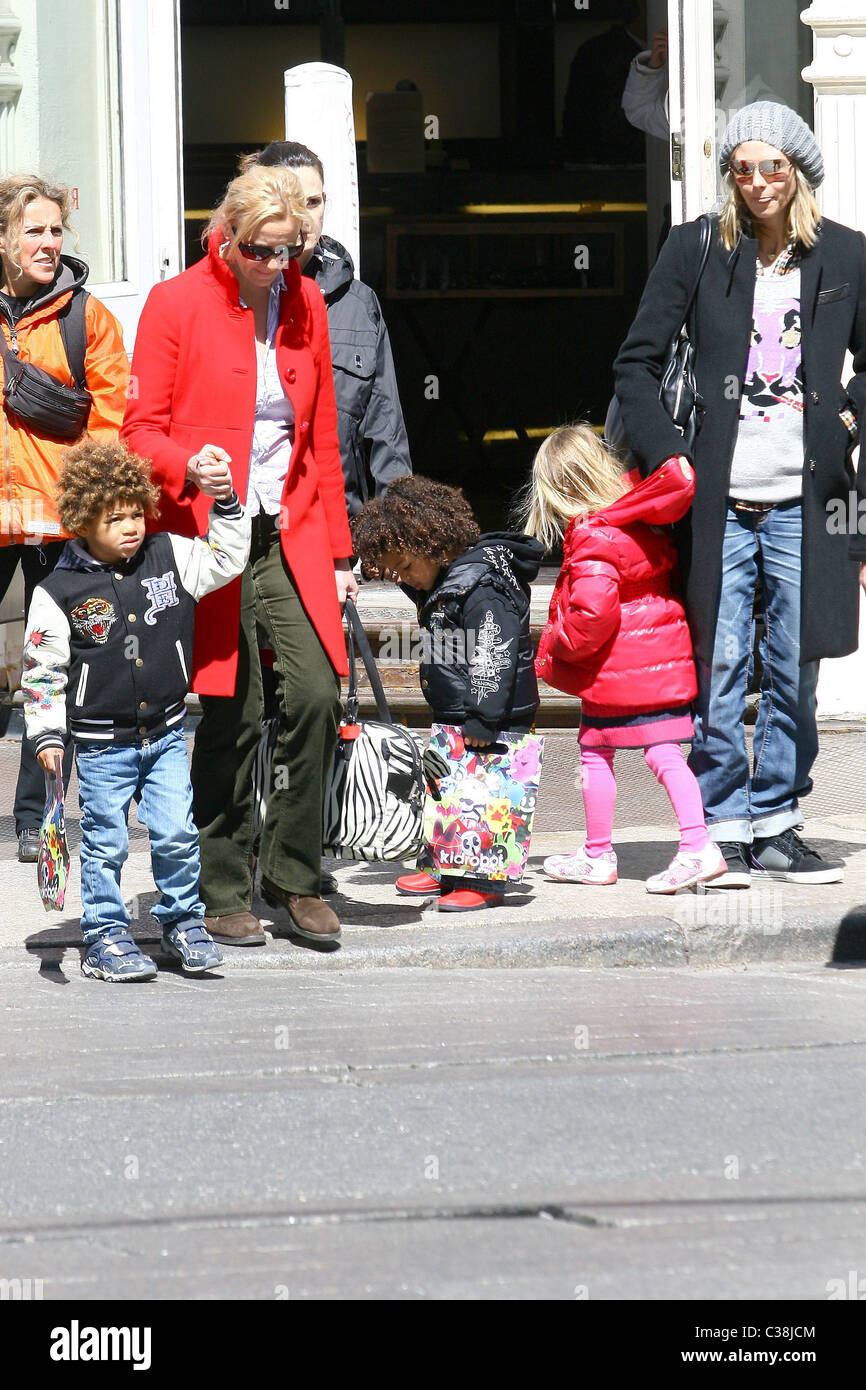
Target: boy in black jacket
[
  {"x": 106, "y": 660},
  {"x": 473, "y": 597}
]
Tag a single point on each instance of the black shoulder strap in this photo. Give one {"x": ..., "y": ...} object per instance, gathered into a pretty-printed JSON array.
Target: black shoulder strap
[
  {"x": 355, "y": 632},
  {"x": 73, "y": 331},
  {"x": 705, "y": 243}
]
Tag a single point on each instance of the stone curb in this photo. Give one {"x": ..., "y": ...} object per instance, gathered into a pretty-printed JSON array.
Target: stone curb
[{"x": 644, "y": 942}]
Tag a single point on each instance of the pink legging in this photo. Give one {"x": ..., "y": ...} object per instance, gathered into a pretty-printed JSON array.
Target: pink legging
[{"x": 667, "y": 764}]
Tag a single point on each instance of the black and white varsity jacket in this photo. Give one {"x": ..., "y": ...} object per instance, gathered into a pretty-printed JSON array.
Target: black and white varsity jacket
[{"x": 108, "y": 649}]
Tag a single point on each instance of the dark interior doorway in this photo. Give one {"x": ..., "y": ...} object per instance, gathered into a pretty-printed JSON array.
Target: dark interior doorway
[{"x": 510, "y": 268}]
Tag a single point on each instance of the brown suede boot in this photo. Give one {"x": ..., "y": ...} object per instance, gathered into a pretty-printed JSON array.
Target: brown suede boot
[
  {"x": 236, "y": 929},
  {"x": 311, "y": 918}
]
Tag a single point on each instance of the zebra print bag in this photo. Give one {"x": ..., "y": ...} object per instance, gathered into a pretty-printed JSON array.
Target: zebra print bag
[{"x": 374, "y": 796}]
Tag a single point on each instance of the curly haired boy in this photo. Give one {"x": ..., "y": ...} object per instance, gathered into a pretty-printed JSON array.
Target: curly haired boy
[
  {"x": 106, "y": 663},
  {"x": 473, "y": 598}
]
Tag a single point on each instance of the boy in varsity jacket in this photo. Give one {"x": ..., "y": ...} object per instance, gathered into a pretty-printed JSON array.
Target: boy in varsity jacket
[{"x": 107, "y": 657}]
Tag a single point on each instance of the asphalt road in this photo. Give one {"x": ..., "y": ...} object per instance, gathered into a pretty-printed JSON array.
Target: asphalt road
[{"x": 419, "y": 1134}]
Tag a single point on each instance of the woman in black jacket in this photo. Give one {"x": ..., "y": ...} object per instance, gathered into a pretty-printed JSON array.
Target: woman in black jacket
[
  {"x": 782, "y": 297},
  {"x": 368, "y": 402}
]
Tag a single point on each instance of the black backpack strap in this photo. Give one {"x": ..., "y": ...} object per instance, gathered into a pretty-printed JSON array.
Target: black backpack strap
[{"x": 73, "y": 331}]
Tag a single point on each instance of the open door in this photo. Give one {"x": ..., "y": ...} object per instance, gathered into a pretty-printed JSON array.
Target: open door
[
  {"x": 725, "y": 54},
  {"x": 148, "y": 146},
  {"x": 90, "y": 98}
]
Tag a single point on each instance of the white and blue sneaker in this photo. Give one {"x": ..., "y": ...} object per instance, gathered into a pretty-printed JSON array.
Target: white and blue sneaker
[
  {"x": 192, "y": 944},
  {"x": 115, "y": 956}
]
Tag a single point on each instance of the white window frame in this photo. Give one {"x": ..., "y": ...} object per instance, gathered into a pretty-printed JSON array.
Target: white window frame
[{"x": 151, "y": 155}]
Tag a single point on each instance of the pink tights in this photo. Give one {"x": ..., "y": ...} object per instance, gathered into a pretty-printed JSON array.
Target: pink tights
[{"x": 667, "y": 764}]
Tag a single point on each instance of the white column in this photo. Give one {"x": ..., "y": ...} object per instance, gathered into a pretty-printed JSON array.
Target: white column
[
  {"x": 319, "y": 115},
  {"x": 10, "y": 85},
  {"x": 838, "y": 75}
]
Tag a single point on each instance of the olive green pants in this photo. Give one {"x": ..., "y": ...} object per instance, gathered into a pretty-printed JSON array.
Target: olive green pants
[{"x": 226, "y": 740}]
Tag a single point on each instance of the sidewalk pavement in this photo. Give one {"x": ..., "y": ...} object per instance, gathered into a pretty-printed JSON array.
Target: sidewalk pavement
[{"x": 541, "y": 923}]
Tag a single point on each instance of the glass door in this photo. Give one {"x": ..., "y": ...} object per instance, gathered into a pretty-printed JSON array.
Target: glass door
[
  {"x": 97, "y": 108},
  {"x": 148, "y": 170},
  {"x": 725, "y": 54}
]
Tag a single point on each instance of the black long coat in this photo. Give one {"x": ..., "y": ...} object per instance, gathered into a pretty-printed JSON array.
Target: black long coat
[{"x": 833, "y": 316}]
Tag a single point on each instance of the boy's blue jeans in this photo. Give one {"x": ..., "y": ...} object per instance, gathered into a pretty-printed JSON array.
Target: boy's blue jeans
[
  {"x": 742, "y": 803},
  {"x": 108, "y": 779}
]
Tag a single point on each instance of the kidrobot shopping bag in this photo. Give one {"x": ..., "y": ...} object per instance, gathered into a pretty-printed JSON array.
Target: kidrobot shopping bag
[
  {"x": 52, "y": 866},
  {"x": 481, "y": 824}
]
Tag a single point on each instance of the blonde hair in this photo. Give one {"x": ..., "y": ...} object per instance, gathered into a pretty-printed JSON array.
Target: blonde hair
[
  {"x": 574, "y": 475},
  {"x": 258, "y": 195},
  {"x": 17, "y": 192},
  {"x": 802, "y": 217}
]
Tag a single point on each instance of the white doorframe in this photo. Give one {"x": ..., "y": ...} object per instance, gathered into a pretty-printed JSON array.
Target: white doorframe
[
  {"x": 151, "y": 155},
  {"x": 692, "y": 100}
]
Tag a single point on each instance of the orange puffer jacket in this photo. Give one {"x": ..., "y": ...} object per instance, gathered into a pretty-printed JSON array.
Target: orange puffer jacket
[{"x": 32, "y": 462}]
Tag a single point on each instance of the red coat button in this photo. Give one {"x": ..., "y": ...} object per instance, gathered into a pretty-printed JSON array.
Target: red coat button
[
  {"x": 291, "y": 374},
  {"x": 305, "y": 425}
]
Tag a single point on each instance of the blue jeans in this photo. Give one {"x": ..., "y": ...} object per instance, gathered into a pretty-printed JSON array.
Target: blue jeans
[
  {"x": 108, "y": 779},
  {"x": 743, "y": 804}
]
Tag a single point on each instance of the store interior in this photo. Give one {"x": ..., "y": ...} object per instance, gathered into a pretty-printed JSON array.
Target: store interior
[{"x": 509, "y": 260}]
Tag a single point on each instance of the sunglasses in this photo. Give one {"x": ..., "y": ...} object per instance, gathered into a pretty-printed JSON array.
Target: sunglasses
[
  {"x": 256, "y": 251},
  {"x": 770, "y": 169}
]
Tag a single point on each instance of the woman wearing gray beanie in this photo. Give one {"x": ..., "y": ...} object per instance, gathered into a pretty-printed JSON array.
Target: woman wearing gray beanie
[{"x": 781, "y": 300}]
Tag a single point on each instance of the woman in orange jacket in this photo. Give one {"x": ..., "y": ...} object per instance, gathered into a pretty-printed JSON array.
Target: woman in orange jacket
[{"x": 37, "y": 287}]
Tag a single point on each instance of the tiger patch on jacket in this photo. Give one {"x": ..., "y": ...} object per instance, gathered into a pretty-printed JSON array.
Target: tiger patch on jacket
[{"x": 94, "y": 618}]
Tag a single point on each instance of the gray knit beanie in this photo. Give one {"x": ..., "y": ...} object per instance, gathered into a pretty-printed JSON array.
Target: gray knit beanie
[{"x": 779, "y": 126}]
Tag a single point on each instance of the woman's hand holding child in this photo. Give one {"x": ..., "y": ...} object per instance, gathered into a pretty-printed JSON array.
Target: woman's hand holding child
[{"x": 209, "y": 470}]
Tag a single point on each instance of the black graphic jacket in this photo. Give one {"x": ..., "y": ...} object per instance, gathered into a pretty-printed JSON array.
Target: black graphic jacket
[
  {"x": 476, "y": 659},
  {"x": 109, "y": 646}
]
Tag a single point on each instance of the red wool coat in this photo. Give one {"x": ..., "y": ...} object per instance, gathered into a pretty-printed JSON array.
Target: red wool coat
[
  {"x": 193, "y": 383},
  {"x": 617, "y": 633}
]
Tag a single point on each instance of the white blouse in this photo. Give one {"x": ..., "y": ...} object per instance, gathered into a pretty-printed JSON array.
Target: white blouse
[{"x": 274, "y": 429}]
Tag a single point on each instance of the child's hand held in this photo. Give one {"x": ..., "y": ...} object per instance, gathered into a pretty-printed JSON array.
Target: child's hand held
[
  {"x": 210, "y": 470},
  {"x": 49, "y": 759}
]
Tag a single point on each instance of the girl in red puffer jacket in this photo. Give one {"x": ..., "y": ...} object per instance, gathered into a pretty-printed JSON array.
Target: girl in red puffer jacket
[{"x": 617, "y": 636}]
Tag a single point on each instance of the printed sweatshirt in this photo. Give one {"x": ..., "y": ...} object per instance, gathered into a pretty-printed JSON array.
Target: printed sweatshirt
[{"x": 109, "y": 646}]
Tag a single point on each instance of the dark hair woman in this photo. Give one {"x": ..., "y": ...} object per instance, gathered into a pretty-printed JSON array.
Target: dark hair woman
[
  {"x": 235, "y": 390},
  {"x": 38, "y": 285},
  {"x": 782, "y": 298},
  {"x": 368, "y": 402}
]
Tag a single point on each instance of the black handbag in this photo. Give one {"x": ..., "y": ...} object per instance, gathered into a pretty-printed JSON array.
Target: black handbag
[
  {"x": 678, "y": 391},
  {"x": 38, "y": 399}
]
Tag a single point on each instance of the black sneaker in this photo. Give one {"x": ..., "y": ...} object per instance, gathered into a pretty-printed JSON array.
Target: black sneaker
[
  {"x": 789, "y": 858},
  {"x": 28, "y": 846},
  {"x": 738, "y": 873}
]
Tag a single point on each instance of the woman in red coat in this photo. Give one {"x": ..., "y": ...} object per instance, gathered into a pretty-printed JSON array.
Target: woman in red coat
[
  {"x": 232, "y": 388},
  {"x": 617, "y": 636}
]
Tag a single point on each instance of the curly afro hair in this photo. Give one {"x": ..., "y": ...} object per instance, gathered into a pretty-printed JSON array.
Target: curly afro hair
[
  {"x": 95, "y": 475},
  {"x": 418, "y": 516}
]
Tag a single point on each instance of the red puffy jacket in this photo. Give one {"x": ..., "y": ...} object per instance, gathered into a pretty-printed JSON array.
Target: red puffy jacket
[{"x": 617, "y": 633}]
